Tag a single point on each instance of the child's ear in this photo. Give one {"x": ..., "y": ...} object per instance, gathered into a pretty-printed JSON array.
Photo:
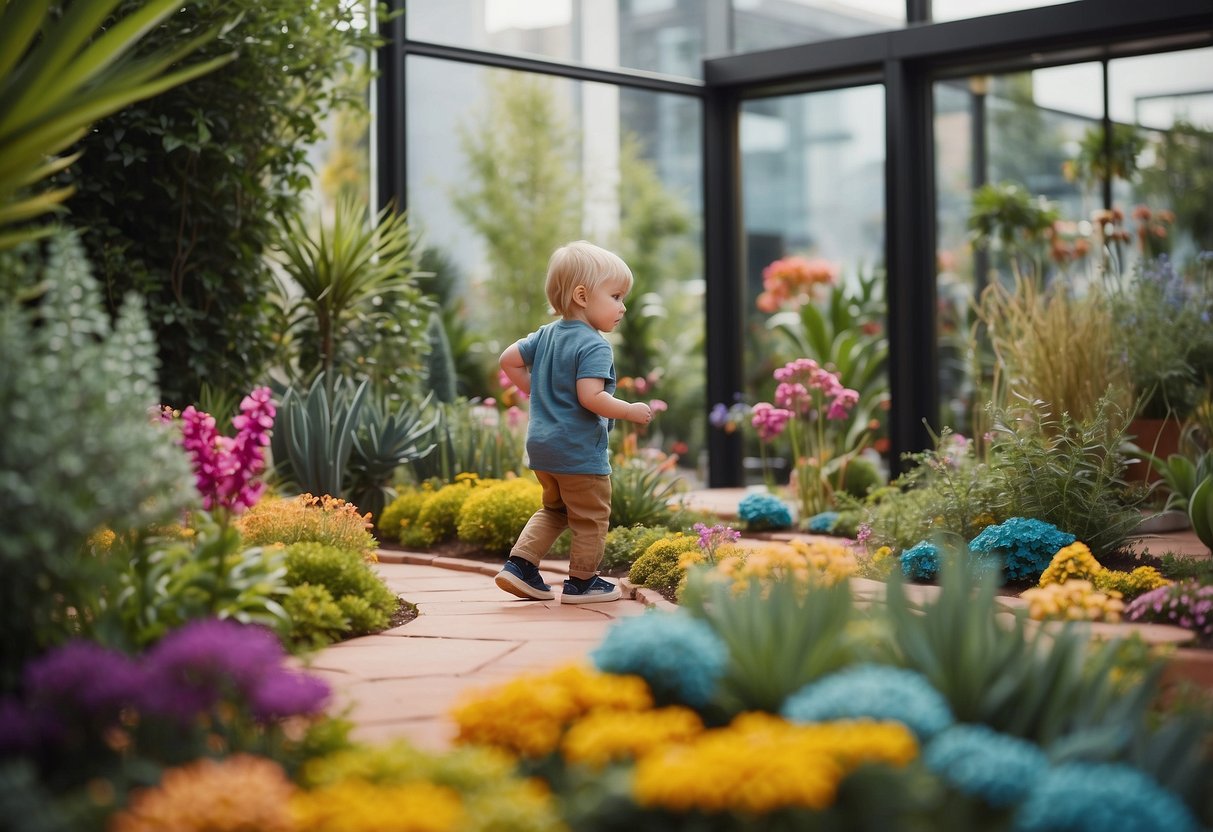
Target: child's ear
[{"x": 580, "y": 296}]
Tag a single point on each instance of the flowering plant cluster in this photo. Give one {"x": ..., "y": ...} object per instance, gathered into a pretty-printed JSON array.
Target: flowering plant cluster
[
  {"x": 793, "y": 280},
  {"x": 1185, "y": 604},
  {"x": 226, "y": 468},
  {"x": 713, "y": 537},
  {"x": 764, "y": 511}
]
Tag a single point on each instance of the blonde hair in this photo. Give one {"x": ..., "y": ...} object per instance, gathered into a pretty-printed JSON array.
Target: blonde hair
[{"x": 582, "y": 263}]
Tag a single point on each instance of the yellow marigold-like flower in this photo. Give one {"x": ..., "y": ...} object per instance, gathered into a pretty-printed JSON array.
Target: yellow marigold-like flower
[
  {"x": 355, "y": 806},
  {"x": 1139, "y": 581},
  {"x": 818, "y": 562},
  {"x": 528, "y": 715},
  {"x": 242, "y": 793},
  {"x": 880, "y": 554},
  {"x": 606, "y": 736},
  {"x": 762, "y": 763},
  {"x": 102, "y": 540},
  {"x": 1074, "y": 600},
  {"x": 1073, "y": 562}
]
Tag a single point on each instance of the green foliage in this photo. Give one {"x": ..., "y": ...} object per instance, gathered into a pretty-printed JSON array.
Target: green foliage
[
  {"x": 1178, "y": 567},
  {"x": 316, "y": 620},
  {"x": 77, "y": 450},
  {"x": 1091, "y": 165},
  {"x": 495, "y": 515},
  {"x": 438, "y": 520},
  {"x": 1067, "y": 472},
  {"x": 1005, "y": 214},
  {"x": 440, "y": 375},
  {"x": 1200, "y": 511},
  {"x": 384, "y": 441},
  {"x": 165, "y": 581},
  {"x": 180, "y": 193},
  {"x": 313, "y": 436},
  {"x": 1182, "y": 177},
  {"x": 624, "y": 544},
  {"x": 362, "y": 595},
  {"x": 779, "y": 637},
  {"x": 60, "y": 71},
  {"x": 521, "y": 195},
  {"x": 658, "y": 567},
  {"x": 402, "y": 512},
  {"x": 470, "y": 436},
  {"x": 442, "y": 279},
  {"x": 640, "y": 494},
  {"x": 860, "y": 476},
  {"x": 344, "y": 275},
  {"x": 1180, "y": 475}
]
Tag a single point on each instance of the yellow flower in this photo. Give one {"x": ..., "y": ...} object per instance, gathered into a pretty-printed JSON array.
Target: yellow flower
[
  {"x": 358, "y": 806},
  {"x": 762, "y": 763},
  {"x": 242, "y": 793},
  {"x": 528, "y": 715},
  {"x": 605, "y": 736},
  {"x": 1074, "y": 600},
  {"x": 1073, "y": 562}
]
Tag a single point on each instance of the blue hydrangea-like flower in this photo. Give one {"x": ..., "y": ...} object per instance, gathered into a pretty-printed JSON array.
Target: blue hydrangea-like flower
[
  {"x": 921, "y": 561},
  {"x": 979, "y": 761},
  {"x": 764, "y": 511},
  {"x": 1025, "y": 545},
  {"x": 873, "y": 691},
  {"x": 1095, "y": 797},
  {"x": 680, "y": 657},
  {"x": 823, "y": 523}
]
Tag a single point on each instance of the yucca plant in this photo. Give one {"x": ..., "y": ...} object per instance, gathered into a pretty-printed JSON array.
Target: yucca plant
[
  {"x": 640, "y": 494},
  {"x": 61, "y": 70},
  {"x": 343, "y": 269}
]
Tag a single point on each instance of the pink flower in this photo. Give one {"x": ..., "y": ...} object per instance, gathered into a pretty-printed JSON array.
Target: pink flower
[
  {"x": 658, "y": 406},
  {"x": 842, "y": 404},
  {"x": 769, "y": 421},
  {"x": 226, "y": 468}
]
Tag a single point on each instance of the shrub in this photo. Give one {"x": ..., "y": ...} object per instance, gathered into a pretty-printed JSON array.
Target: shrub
[
  {"x": 316, "y": 620},
  {"x": 1026, "y": 546},
  {"x": 658, "y": 567},
  {"x": 764, "y": 511},
  {"x": 1073, "y": 562},
  {"x": 860, "y": 477},
  {"x": 640, "y": 493},
  {"x": 494, "y": 516},
  {"x": 358, "y": 591},
  {"x": 438, "y": 519},
  {"x": 1075, "y": 600},
  {"x": 1130, "y": 584},
  {"x": 402, "y": 512},
  {"x": 625, "y": 544},
  {"x": 307, "y": 518},
  {"x": 921, "y": 561}
]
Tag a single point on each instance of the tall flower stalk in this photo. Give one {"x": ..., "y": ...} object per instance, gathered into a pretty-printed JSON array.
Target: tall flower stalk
[{"x": 807, "y": 399}]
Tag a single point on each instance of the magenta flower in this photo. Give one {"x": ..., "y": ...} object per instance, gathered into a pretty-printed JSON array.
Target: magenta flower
[
  {"x": 769, "y": 420},
  {"x": 226, "y": 468},
  {"x": 658, "y": 405},
  {"x": 841, "y": 406}
]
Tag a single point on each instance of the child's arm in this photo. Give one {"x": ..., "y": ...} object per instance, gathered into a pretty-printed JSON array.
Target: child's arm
[
  {"x": 516, "y": 370},
  {"x": 592, "y": 394}
]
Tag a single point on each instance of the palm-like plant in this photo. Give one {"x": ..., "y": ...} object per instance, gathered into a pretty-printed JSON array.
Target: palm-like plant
[
  {"x": 59, "y": 73},
  {"x": 342, "y": 269}
]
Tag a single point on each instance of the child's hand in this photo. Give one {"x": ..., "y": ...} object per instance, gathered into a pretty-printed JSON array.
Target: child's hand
[{"x": 640, "y": 413}]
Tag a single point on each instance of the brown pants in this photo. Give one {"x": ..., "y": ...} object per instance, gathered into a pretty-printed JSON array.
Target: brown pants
[{"x": 581, "y": 502}]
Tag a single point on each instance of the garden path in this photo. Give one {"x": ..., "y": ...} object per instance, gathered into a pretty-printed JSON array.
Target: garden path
[{"x": 401, "y": 683}]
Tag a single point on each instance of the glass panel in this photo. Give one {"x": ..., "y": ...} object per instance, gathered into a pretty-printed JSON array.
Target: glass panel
[
  {"x": 959, "y": 9},
  {"x": 1162, "y": 106},
  {"x": 664, "y": 36},
  {"x": 769, "y": 24},
  {"x": 812, "y": 182},
  {"x": 505, "y": 166},
  {"x": 1008, "y": 151}
]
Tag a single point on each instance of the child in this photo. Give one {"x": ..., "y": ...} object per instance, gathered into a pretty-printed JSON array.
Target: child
[{"x": 568, "y": 369}]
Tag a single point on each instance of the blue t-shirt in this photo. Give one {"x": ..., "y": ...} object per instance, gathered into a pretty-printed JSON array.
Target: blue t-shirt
[{"x": 563, "y": 437}]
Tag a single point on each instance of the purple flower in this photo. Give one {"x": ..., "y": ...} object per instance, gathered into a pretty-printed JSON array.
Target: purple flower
[
  {"x": 225, "y": 468},
  {"x": 284, "y": 693},
  {"x": 84, "y": 676},
  {"x": 194, "y": 667}
]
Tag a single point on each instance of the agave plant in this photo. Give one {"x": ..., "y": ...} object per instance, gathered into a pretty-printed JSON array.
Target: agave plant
[
  {"x": 61, "y": 70},
  {"x": 383, "y": 441},
  {"x": 314, "y": 435}
]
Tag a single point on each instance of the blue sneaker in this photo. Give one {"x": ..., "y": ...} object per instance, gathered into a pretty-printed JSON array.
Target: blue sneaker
[
  {"x": 524, "y": 582},
  {"x": 597, "y": 592}
]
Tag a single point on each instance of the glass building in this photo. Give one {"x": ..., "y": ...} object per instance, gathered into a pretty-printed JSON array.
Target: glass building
[{"x": 704, "y": 139}]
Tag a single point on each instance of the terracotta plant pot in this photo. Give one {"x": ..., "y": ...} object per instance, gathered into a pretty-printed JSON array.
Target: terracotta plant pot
[{"x": 1158, "y": 436}]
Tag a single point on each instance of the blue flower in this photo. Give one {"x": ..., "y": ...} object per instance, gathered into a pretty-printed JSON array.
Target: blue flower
[
  {"x": 921, "y": 561},
  {"x": 680, "y": 657},
  {"x": 764, "y": 511},
  {"x": 823, "y": 523},
  {"x": 978, "y": 761},
  {"x": 1025, "y": 545},
  {"x": 873, "y": 691},
  {"x": 1095, "y": 797}
]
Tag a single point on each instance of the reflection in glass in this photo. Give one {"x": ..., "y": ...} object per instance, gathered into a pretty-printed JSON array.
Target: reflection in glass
[
  {"x": 505, "y": 166},
  {"x": 769, "y": 24},
  {"x": 812, "y": 182},
  {"x": 664, "y": 36}
]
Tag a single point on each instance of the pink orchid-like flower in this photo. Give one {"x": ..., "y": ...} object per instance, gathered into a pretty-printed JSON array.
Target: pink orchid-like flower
[{"x": 226, "y": 468}]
